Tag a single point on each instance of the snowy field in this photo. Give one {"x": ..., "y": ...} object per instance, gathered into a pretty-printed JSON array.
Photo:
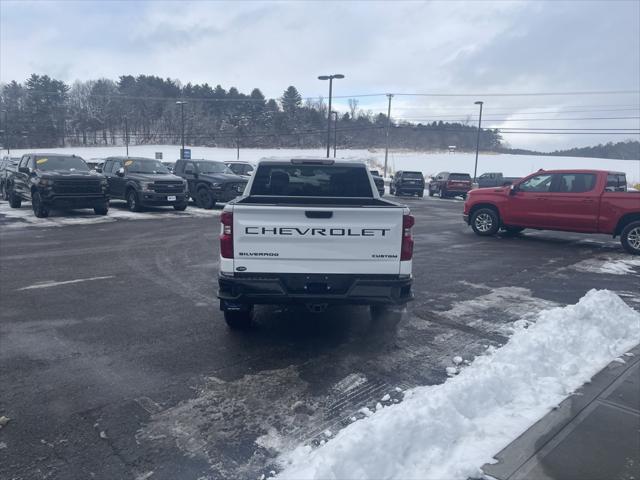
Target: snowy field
[
  {"x": 450, "y": 431},
  {"x": 428, "y": 163}
]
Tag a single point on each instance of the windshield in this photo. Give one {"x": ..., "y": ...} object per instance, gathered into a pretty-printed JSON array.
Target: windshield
[
  {"x": 145, "y": 166},
  {"x": 213, "y": 167},
  {"x": 311, "y": 181},
  {"x": 61, "y": 163}
]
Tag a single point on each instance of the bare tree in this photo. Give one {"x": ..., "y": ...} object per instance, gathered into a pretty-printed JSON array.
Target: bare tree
[{"x": 353, "y": 107}]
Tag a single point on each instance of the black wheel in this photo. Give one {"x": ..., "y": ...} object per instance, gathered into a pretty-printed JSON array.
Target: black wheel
[
  {"x": 2, "y": 190},
  {"x": 443, "y": 194},
  {"x": 238, "y": 320},
  {"x": 180, "y": 207},
  {"x": 421, "y": 193},
  {"x": 431, "y": 193},
  {"x": 464, "y": 196},
  {"x": 39, "y": 208},
  {"x": 630, "y": 238},
  {"x": 511, "y": 230},
  {"x": 102, "y": 210},
  {"x": 14, "y": 200},
  {"x": 398, "y": 193},
  {"x": 485, "y": 222},
  {"x": 132, "y": 201},
  {"x": 205, "y": 199}
]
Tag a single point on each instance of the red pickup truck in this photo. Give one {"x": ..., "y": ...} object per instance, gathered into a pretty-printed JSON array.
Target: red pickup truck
[{"x": 587, "y": 201}]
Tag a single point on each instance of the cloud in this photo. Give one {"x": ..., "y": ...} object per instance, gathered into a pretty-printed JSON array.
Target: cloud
[{"x": 379, "y": 46}]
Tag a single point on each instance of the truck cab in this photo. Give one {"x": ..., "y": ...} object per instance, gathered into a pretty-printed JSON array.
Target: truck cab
[{"x": 210, "y": 181}]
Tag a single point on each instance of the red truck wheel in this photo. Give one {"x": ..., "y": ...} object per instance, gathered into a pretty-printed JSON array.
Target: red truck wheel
[
  {"x": 630, "y": 238},
  {"x": 485, "y": 222}
]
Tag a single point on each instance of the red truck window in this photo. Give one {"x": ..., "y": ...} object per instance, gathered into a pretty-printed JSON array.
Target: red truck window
[
  {"x": 573, "y": 182},
  {"x": 539, "y": 183}
]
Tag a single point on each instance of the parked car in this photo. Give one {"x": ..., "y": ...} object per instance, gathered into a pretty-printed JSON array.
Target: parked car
[
  {"x": 450, "y": 184},
  {"x": 210, "y": 181},
  {"x": 244, "y": 169},
  {"x": 312, "y": 232},
  {"x": 379, "y": 181},
  {"x": 407, "y": 183},
  {"x": 495, "y": 179},
  {"x": 587, "y": 201},
  {"x": 7, "y": 166},
  {"x": 50, "y": 181},
  {"x": 144, "y": 182}
]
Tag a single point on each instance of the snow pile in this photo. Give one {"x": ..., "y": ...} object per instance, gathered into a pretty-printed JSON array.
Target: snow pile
[
  {"x": 612, "y": 265},
  {"x": 451, "y": 430}
]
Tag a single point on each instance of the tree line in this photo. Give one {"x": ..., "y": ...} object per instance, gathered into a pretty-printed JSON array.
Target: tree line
[
  {"x": 45, "y": 112},
  {"x": 627, "y": 150}
]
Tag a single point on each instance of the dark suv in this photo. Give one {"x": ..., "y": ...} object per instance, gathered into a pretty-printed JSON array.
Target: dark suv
[
  {"x": 407, "y": 183},
  {"x": 448, "y": 184},
  {"x": 8, "y": 165},
  {"x": 210, "y": 181},
  {"x": 57, "y": 181},
  {"x": 379, "y": 181},
  {"x": 144, "y": 182}
]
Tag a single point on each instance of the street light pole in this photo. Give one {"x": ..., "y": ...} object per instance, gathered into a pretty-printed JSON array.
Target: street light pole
[
  {"x": 475, "y": 168},
  {"x": 386, "y": 150},
  {"x": 335, "y": 132},
  {"x": 330, "y": 78},
  {"x": 182, "y": 104}
]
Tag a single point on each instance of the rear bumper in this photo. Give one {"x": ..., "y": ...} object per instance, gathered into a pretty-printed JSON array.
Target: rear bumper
[
  {"x": 410, "y": 188},
  {"x": 302, "y": 289}
]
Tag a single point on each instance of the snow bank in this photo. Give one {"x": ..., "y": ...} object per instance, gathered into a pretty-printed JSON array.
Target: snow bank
[{"x": 451, "y": 430}]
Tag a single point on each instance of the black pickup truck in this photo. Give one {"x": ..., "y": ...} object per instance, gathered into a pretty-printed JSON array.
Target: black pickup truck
[
  {"x": 210, "y": 181},
  {"x": 144, "y": 182},
  {"x": 57, "y": 181}
]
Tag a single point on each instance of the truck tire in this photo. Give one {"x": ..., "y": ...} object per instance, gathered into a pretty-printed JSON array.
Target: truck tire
[
  {"x": 421, "y": 193},
  {"x": 485, "y": 222},
  {"x": 630, "y": 238},
  {"x": 431, "y": 192},
  {"x": 238, "y": 320},
  {"x": 14, "y": 200},
  {"x": 443, "y": 194},
  {"x": 39, "y": 208},
  {"x": 205, "y": 199},
  {"x": 132, "y": 201},
  {"x": 102, "y": 210},
  {"x": 180, "y": 207}
]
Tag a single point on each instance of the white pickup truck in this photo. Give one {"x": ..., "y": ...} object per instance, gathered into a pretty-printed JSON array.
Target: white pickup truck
[{"x": 312, "y": 232}]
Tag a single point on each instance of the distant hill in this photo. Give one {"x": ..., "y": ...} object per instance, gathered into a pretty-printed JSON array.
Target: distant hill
[{"x": 629, "y": 150}]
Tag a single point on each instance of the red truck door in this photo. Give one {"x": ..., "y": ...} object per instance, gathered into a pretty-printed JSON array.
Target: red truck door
[
  {"x": 573, "y": 202},
  {"x": 527, "y": 204}
]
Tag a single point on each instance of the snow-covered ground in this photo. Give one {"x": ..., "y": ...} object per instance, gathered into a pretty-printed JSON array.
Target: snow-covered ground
[
  {"x": 451, "y": 430},
  {"x": 117, "y": 211},
  {"x": 426, "y": 162}
]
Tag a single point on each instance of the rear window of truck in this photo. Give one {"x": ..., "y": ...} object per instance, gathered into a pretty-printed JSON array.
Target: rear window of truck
[
  {"x": 412, "y": 175},
  {"x": 311, "y": 181},
  {"x": 463, "y": 177}
]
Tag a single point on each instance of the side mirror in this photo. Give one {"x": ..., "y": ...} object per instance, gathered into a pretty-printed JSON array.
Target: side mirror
[
  {"x": 120, "y": 172},
  {"x": 24, "y": 170},
  {"x": 513, "y": 189}
]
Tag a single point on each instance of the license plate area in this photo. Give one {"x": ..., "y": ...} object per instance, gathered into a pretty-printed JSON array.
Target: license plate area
[{"x": 171, "y": 198}]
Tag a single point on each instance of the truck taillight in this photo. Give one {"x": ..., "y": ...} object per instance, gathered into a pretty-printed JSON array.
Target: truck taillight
[
  {"x": 406, "y": 250},
  {"x": 226, "y": 235}
]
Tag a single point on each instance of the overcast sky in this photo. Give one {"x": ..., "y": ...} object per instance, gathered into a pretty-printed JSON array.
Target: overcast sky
[{"x": 403, "y": 47}]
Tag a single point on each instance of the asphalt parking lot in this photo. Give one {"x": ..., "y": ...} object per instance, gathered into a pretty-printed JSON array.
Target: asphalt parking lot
[{"x": 116, "y": 363}]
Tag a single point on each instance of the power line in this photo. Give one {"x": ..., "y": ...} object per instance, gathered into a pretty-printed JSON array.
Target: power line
[{"x": 530, "y": 119}]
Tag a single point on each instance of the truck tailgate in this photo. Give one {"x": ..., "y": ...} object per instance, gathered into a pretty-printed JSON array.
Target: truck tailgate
[{"x": 332, "y": 240}]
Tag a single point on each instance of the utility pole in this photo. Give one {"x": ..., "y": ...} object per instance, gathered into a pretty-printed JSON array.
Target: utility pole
[
  {"x": 238, "y": 147},
  {"x": 386, "y": 150},
  {"x": 475, "y": 168},
  {"x": 335, "y": 133},
  {"x": 126, "y": 134},
  {"x": 330, "y": 78},
  {"x": 182, "y": 104},
  {"x": 6, "y": 131}
]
